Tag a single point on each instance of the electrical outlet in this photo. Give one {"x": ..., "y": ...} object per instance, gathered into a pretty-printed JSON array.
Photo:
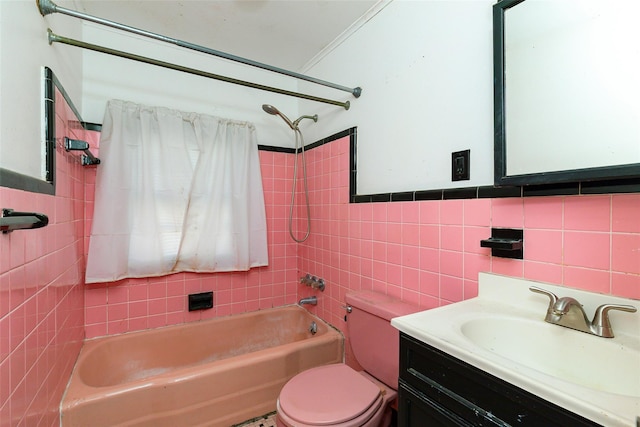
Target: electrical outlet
[{"x": 460, "y": 165}]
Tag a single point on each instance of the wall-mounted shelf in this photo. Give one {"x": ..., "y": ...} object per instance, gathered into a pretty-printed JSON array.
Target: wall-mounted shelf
[
  {"x": 88, "y": 158},
  {"x": 12, "y": 220}
]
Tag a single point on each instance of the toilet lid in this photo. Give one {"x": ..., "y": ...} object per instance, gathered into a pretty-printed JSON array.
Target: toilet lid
[{"x": 328, "y": 395}]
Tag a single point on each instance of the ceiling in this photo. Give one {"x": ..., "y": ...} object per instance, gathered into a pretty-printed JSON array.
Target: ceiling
[{"x": 281, "y": 33}]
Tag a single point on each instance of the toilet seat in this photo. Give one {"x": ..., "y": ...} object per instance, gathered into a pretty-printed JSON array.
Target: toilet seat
[{"x": 340, "y": 396}]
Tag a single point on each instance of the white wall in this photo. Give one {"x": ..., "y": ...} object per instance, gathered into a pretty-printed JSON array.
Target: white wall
[
  {"x": 110, "y": 77},
  {"x": 24, "y": 50},
  {"x": 426, "y": 72}
]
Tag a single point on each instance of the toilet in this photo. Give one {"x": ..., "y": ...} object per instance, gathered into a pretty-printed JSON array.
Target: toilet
[{"x": 337, "y": 395}]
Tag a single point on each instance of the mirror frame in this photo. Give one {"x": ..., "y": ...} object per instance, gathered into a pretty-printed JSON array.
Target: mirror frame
[
  {"x": 501, "y": 178},
  {"x": 11, "y": 179}
]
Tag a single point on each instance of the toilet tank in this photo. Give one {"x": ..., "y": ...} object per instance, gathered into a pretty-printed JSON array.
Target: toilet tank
[{"x": 375, "y": 343}]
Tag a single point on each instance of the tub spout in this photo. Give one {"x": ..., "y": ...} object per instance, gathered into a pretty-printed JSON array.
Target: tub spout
[{"x": 309, "y": 300}]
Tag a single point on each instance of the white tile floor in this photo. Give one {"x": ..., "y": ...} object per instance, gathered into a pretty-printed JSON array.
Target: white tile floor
[{"x": 268, "y": 420}]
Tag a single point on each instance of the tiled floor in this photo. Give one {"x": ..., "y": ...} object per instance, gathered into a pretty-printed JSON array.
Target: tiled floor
[{"x": 268, "y": 420}]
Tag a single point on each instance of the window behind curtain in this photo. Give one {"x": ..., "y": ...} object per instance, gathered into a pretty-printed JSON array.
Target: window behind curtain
[{"x": 175, "y": 192}]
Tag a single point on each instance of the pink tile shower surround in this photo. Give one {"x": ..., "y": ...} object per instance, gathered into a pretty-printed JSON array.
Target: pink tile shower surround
[
  {"x": 136, "y": 304},
  {"x": 42, "y": 292},
  {"x": 427, "y": 253}
]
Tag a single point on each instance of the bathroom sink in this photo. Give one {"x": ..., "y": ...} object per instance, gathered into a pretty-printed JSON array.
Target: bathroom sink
[
  {"x": 589, "y": 361},
  {"x": 503, "y": 332}
]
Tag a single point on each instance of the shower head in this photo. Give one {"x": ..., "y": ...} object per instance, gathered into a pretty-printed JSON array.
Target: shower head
[
  {"x": 270, "y": 109},
  {"x": 274, "y": 111}
]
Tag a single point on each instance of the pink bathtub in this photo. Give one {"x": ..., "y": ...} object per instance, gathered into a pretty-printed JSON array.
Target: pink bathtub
[{"x": 211, "y": 373}]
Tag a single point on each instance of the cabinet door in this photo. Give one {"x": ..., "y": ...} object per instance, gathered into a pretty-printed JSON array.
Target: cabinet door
[
  {"x": 422, "y": 411},
  {"x": 474, "y": 395},
  {"x": 415, "y": 410}
]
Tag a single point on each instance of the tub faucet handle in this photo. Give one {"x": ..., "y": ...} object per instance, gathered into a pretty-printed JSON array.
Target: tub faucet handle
[{"x": 306, "y": 280}]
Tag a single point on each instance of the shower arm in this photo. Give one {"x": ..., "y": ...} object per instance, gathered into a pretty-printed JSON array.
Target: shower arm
[
  {"x": 299, "y": 119},
  {"x": 47, "y": 7}
]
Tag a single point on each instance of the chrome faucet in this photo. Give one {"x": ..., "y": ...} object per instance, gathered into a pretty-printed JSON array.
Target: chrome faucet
[
  {"x": 568, "y": 312},
  {"x": 313, "y": 281},
  {"x": 309, "y": 300}
]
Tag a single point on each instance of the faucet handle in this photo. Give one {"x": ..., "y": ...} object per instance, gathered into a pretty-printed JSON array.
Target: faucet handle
[
  {"x": 601, "y": 323},
  {"x": 306, "y": 279},
  {"x": 553, "y": 299}
]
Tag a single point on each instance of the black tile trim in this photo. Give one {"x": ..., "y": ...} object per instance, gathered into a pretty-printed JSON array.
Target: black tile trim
[
  {"x": 353, "y": 164},
  {"x": 615, "y": 186},
  {"x": 97, "y": 127},
  {"x": 359, "y": 199},
  {"x": 382, "y": 197},
  {"x": 568, "y": 189},
  {"x": 429, "y": 195},
  {"x": 407, "y": 196},
  {"x": 274, "y": 149},
  {"x": 487, "y": 192},
  {"x": 490, "y": 192},
  {"x": 460, "y": 193},
  {"x": 50, "y": 123}
]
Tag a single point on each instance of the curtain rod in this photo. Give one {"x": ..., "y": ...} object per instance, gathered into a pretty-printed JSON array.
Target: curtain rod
[
  {"x": 54, "y": 38},
  {"x": 47, "y": 6}
]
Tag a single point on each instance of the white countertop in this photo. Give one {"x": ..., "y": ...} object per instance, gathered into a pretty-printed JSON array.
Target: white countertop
[{"x": 506, "y": 298}]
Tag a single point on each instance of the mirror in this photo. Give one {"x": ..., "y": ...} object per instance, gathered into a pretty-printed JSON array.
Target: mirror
[
  {"x": 45, "y": 184},
  {"x": 567, "y": 91}
]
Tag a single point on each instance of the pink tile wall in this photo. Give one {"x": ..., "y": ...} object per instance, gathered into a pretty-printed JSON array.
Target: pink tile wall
[
  {"x": 41, "y": 295},
  {"x": 424, "y": 252},
  {"x": 429, "y": 253},
  {"x": 137, "y": 304}
]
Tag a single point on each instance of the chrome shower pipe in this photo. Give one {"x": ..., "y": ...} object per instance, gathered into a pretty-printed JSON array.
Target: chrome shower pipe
[
  {"x": 47, "y": 7},
  {"x": 297, "y": 121},
  {"x": 299, "y": 149},
  {"x": 55, "y": 38}
]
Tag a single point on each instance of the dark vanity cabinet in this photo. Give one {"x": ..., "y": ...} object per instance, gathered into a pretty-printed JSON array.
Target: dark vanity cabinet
[{"x": 436, "y": 389}]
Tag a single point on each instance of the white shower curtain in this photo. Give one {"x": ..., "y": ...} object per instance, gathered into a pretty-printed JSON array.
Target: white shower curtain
[{"x": 175, "y": 192}]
